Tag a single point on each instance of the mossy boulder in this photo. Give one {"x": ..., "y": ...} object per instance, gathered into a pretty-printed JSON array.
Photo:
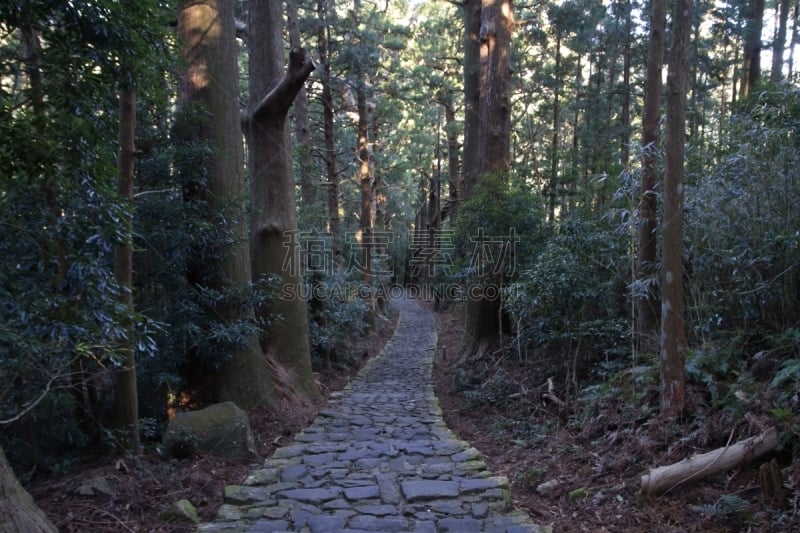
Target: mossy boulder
[
  {"x": 180, "y": 511},
  {"x": 222, "y": 430}
]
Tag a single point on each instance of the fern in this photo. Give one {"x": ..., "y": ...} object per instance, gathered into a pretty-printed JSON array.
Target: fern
[
  {"x": 727, "y": 505},
  {"x": 790, "y": 371}
]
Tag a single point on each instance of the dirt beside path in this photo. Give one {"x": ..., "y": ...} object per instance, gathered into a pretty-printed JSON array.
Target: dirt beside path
[
  {"x": 581, "y": 471},
  {"x": 143, "y": 486}
]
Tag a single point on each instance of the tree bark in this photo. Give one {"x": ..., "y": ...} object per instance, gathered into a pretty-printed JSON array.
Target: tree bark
[
  {"x": 552, "y": 187},
  {"x": 752, "y": 46},
  {"x": 494, "y": 148},
  {"x": 661, "y": 479},
  {"x": 302, "y": 129},
  {"x": 647, "y": 303},
  {"x": 126, "y": 399},
  {"x": 208, "y": 33},
  {"x": 274, "y": 223},
  {"x": 472, "y": 54},
  {"x": 329, "y": 154},
  {"x": 673, "y": 334},
  {"x": 18, "y": 512},
  {"x": 779, "y": 46}
]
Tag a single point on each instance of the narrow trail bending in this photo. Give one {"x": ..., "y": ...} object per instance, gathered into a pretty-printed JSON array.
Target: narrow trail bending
[{"x": 378, "y": 458}]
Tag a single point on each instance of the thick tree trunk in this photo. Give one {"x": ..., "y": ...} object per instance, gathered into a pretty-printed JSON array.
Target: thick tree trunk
[
  {"x": 126, "y": 399},
  {"x": 752, "y": 46},
  {"x": 18, "y": 512},
  {"x": 673, "y": 334},
  {"x": 494, "y": 149},
  {"x": 274, "y": 225},
  {"x": 647, "y": 303},
  {"x": 208, "y": 33},
  {"x": 472, "y": 69}
]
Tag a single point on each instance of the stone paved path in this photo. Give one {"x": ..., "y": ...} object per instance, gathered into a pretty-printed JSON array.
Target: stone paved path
[{"x": 378, "y": 458}]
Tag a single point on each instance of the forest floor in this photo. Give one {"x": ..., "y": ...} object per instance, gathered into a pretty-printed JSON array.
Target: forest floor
[
  {"x": 579, "y": 469},
  {"x": 142, "y": 487},
  {"x": 585, "y": 462}
]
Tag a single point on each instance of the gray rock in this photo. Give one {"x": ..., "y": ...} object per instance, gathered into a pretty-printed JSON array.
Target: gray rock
[
  {"x": 180, "y": 511},
  {"x": 313, "y": 496},
  {"x": 222, "y": 430},
  {"x": 361, "y": 493},
  {"x": 428, "y": 490},
  {"x": 95, "y": 486}
]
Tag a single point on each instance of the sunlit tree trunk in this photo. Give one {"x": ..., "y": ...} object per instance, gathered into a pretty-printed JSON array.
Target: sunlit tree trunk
[
  {"x": 274, "y": 251},
  {"x": 673, "y": 324},
  {"x": 779, "y": 46},
  {"x": 126, "y": 398},
  {"x": 208, "y": 38},
  {"x": 494, "y": 144},
  {"x": 793, "y": 41},
  {"x": 647, "y": 303}
]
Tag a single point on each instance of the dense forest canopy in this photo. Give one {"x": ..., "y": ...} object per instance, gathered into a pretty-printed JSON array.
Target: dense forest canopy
[{"x": 444, "y": 144}]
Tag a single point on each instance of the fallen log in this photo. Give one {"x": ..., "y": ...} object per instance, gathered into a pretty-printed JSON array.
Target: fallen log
[{"x": 664, "y": 478}]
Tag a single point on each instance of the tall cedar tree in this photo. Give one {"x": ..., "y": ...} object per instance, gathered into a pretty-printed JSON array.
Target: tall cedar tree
[
  {"x": 208, "y": 35},
  {"x": 494, "y": 140},
  {"x": 647, "y": 304},
  {"x": 673, "y": 320},
  {"x": 126, "y": 399},
  {"x": 274, "y": 249}
]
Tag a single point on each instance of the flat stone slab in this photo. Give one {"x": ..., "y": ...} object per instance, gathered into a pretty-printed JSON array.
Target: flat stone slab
[
  {"x": 378, "y": 458},
  {"x": 414, "y": 491}
]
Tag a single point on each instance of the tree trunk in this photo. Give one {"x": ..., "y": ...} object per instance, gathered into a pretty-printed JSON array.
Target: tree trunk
[
  {"x": 329, "y": 156},
  {"x": 793, "y": 41},
  {"x": 454, "y": 180},
  {"x": 494, "y": 147},
  {"x": 552, "y": 187},
  {"x": 18, "y": 512},
  {"x": 274, "y": 224},
  {"x": 647, "y": 303},
  {"x": 302, "y": 129},
  {"x": 779, "y": 46},
  {"x": 472, "y": 62},
  {"x": 625, "y": 119},
  {"x": 126, "y": 399},
  {"x": 207, "y": 31},
  {"x": 752, "y": 46},
  {"x": 673, "y": 334}
]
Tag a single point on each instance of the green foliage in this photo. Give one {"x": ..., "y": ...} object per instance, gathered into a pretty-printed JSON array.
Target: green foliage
[
  {"x": 727, "y": 506},
  {"x": 336, "y": 318},
  {"x": 179, "y": 238},
  {"x": 573, "y": 294},
  {"x": 494, "y": 215},
  {"x": 62, "y": 325},
  {"x": 741, "y": 225}
]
